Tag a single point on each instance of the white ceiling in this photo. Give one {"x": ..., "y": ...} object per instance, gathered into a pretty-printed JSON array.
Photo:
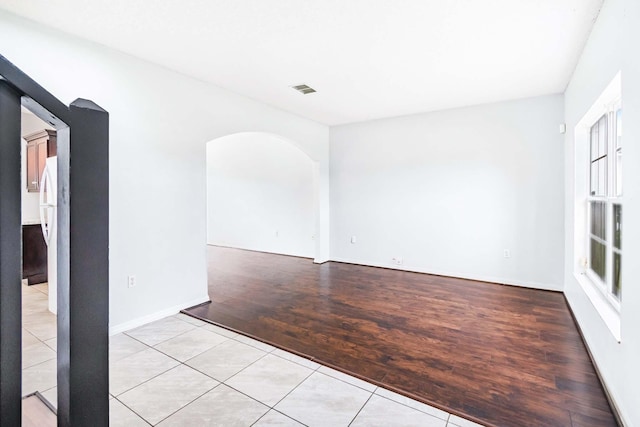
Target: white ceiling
[{"x": 367, "y": 59}]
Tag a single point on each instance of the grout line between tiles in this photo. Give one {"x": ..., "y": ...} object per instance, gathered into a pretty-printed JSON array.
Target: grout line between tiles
[
  {"x": 203, "y": 373},
  {"x": 181, "y": 408},
  {"x": 415, "y": 409},
  {"x": 360, "y": 410},
  {"x": 292, "y": 390},
  {"x": 250, "y": 364},
  {"x": 245, "y": 394},
  {"x": 192, "y": 357},
  {"x": 158, "y": 343},
  {"x": 253, "y": 398},
  {"x": 179, "y": 363},
  {"x": 145, "y": 381},
  {"x": 273, "y": 348},
  {"x": 131, "y": 409},
  {"x": 281, "y": 413},
  {"x": 300, "y": 364},
  {"x": 346, "y": 382}
]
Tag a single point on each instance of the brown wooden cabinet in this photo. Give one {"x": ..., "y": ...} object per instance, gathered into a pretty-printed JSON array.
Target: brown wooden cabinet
[
  {"x": 40, "y": 145},
  {"x": 34, "y": 255}
]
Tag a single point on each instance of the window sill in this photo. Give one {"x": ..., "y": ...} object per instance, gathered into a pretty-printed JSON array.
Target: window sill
[{"x": 607, "y": 312}]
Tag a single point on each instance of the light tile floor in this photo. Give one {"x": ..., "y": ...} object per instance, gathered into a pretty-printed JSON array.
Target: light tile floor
[{"x": 180, "y": 371}]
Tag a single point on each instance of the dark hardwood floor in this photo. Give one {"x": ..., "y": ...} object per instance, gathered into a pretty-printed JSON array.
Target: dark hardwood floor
[{"x": 500, "y": 355}]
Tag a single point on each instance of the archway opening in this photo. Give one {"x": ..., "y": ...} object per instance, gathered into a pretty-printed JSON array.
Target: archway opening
[{"x": 262, "y": 195}]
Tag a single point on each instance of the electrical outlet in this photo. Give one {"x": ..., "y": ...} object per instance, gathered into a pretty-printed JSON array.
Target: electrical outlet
[
  {"x": 131, "y": 281},
  {"x": 277, "y": 233},
  {"x": 353, "y": 239},
  {"x": 397, "y": 260},
  {"x": 507, "y": 253}
]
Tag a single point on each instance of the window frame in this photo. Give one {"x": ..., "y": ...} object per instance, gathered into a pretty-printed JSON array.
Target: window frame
[{"x": 611, "y": 197}]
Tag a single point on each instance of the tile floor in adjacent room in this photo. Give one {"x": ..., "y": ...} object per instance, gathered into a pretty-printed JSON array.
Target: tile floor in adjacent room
[{"x": 180, "y": 371}]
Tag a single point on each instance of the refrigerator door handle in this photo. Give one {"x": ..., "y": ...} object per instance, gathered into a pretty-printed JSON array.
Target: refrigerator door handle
[{"x": 45, "y": 205}]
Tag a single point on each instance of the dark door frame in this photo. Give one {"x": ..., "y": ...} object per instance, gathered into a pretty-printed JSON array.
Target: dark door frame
[{"x": 83, "y": 251}]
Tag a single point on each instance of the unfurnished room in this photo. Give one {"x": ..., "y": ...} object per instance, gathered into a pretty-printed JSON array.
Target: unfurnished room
[{"x": 319, "y": 213}]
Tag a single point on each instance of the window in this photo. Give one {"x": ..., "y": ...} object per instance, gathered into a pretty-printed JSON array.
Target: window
[{"x": 604, "y": 203}]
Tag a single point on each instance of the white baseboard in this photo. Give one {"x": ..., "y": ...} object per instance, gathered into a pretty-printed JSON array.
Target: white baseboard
[
  {"x": 170, "y": 311},
  {"x": 297, "y": 255},
  {"x": 481, "y": 278}
]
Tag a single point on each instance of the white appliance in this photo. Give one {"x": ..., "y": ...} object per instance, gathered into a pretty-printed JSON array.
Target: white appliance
[{"x": 48, "y": 210}]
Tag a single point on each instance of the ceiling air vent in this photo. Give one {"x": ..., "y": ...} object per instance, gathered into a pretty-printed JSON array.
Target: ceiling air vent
[{"x": 304, "y": 89}]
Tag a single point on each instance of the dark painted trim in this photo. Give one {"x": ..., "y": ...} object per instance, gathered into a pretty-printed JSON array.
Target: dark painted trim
[
  {"x": 83, "y": 268},
  {"x": 83, "y": 250},
  {"x": 36, "y": 98},
  {"x": 10, "y": 258},
  {"x": 612, "y": 403}
]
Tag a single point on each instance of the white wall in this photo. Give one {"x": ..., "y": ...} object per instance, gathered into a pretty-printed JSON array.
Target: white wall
[
  {"x": 30, "y": 201},
  {"x": 260, "y": 195},
  {"x": 612, "y": 46},
  {"x": 160, "y": 122},
  {"x": 449, "y": 191}
]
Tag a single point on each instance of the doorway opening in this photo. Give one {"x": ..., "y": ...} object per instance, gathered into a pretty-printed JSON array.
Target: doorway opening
[
  {"x": 262, "y": 193},
  {"x": 39, "y": 261}
]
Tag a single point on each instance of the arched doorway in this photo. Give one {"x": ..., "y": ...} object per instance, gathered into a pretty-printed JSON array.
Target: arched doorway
[{"x": 262, "y": 194}]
